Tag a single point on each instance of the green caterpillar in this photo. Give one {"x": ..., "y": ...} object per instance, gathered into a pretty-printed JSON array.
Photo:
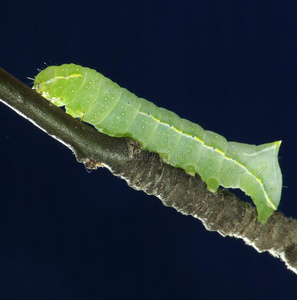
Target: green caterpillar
[{"x": 95, "y": 99}]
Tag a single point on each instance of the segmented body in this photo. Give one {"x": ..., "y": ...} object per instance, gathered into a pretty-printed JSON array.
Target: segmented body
[{"x": 115, "y": 111}]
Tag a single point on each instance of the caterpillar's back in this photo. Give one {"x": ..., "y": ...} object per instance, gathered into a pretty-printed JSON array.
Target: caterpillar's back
[{"x": 113, "y": 110}]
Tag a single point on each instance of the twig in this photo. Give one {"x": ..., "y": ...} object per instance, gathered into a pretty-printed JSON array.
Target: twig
[{"x": 222, "y": 212}]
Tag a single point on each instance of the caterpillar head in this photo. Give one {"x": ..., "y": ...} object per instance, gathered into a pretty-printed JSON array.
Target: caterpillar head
[{"x": 56, "y": 83}]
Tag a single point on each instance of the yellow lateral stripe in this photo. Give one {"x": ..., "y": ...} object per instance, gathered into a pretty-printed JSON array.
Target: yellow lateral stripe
[
  {"x": 62, "y": 77},
  {"x": 71, "y": 75},
  {"x": 268, "y": 200}
]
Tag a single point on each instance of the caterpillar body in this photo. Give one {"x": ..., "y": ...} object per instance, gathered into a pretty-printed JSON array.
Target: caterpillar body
[{"x": 95, "y": 99}]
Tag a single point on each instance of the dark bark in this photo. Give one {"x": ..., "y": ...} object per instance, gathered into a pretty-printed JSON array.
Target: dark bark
[{"x": 222, "y": 212}]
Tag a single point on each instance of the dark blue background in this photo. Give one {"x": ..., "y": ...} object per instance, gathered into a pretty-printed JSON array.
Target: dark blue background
[{"x": 229, "y": 66}]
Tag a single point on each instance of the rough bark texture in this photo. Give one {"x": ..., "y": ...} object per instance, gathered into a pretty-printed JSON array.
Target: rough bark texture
[{"x": 222, "y": 212}]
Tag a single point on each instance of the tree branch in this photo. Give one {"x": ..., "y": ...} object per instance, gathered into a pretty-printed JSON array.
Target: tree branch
[{"x": 222, "y": 212}]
